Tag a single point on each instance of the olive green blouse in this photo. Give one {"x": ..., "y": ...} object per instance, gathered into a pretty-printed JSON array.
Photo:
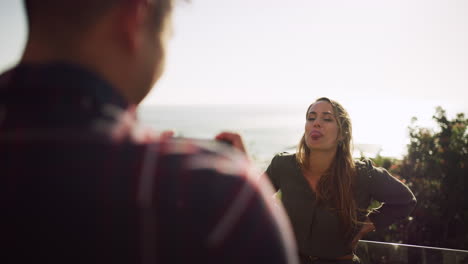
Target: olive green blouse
[{"x": 317, "y": 228}]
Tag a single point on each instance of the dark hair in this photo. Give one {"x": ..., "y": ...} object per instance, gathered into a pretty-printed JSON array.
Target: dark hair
[
  {"x": 335, "y": 187},
  {"x": 77, "y": 15}
]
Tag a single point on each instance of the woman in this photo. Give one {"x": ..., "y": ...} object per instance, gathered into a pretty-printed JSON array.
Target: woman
[{"x": 326, "y": 193}]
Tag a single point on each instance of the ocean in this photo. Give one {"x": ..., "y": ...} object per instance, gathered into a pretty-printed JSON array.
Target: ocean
[{"x": 266, "y": 129}]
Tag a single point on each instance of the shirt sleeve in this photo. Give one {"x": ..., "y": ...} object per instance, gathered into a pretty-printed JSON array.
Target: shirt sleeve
[
  {"x": 262, "y": 233},
  {"x": 273, "y": 174},
  {"x": 397, "y": 199},
  {"x": 223, "y": 214}
]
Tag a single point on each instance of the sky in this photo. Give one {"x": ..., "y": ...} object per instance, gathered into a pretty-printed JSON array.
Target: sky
[{"x": 384, "y": 60}]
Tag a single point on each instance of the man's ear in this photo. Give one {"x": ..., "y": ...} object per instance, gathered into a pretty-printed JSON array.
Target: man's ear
[{"x": 132, "y": 17}]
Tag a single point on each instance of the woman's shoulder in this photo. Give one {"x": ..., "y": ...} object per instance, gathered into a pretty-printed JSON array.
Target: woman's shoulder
[
  {"x": 284, "y": 159},
  {"x": 364, "y": 168},
  {"x": 286, "y": 155},
  {"x": 364, "y": 164}
]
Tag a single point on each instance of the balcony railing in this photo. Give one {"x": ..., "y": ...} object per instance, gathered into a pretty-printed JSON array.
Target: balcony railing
[{"x": 372, "y": 252}]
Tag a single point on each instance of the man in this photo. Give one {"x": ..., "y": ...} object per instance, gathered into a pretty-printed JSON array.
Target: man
[{"x": 81, "y": 183}]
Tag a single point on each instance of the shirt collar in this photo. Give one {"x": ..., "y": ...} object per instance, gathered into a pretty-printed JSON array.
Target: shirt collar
[{"x": 72, "y": 80}]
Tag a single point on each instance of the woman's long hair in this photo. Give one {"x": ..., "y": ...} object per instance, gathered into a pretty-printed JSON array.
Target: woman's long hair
[{"x": 335, "y": 187}]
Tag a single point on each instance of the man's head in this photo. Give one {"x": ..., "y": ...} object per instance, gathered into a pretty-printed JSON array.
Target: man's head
[{"x": 122, "y": 40}]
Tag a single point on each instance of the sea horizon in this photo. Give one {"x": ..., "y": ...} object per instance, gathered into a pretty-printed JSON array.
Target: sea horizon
[{"x": 266, "y": 129}]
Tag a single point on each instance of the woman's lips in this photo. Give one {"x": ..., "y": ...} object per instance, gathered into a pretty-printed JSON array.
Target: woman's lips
[{"x": 315, "y": 135}]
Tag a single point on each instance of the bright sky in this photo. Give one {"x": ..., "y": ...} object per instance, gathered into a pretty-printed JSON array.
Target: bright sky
[{"x": 385, "y": 61}]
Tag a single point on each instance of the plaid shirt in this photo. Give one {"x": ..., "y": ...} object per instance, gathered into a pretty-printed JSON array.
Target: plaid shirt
[{"x": 82, "y": 183}]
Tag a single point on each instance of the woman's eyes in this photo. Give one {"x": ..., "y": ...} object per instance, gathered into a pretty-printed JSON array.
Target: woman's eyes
[{"x": 325, "y": 119}]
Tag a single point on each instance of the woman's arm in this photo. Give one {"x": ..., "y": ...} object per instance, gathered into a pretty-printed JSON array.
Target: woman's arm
[
  {"x": 397, "y": 199},
  {"x": 367, "y": 227}
]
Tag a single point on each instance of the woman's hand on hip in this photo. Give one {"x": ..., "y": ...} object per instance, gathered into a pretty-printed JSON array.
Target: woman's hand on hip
[{"x": 367, "y": 227}]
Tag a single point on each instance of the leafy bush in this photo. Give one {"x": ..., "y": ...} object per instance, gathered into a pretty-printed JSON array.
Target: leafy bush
[{"x": 436, "y": 170}]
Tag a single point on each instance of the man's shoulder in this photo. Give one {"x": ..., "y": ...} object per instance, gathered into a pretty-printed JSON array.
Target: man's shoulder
[
  {"x": 5, "y": 78},
  {"x": 203, "y": 156}
]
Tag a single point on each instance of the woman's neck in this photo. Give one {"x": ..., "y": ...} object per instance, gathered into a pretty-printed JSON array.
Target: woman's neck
[{"x": 319, "y": 162}]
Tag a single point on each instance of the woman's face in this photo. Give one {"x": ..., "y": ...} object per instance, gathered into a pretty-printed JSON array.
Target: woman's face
[{"x": 321, "y": 128}]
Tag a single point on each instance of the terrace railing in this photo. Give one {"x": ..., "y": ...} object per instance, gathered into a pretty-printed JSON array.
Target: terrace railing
[{"x": 372, "y": 252}]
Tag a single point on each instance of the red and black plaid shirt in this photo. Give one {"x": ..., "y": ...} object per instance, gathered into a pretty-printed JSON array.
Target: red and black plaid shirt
[{"x": 79, "y": 185}]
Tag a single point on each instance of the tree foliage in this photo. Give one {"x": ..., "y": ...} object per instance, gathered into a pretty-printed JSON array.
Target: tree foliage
[{"x": 436, "y": 170}]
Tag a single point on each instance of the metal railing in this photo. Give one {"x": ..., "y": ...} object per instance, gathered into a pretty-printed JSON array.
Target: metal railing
[{"x": 372, "y": 252}]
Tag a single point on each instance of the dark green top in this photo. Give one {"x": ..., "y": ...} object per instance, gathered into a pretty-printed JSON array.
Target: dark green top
[{"x": 317, "y": 228}]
